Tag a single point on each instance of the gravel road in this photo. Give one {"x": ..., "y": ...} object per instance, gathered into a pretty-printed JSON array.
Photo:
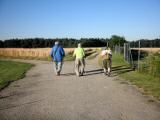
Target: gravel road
[{"x": 43, "y": 96}]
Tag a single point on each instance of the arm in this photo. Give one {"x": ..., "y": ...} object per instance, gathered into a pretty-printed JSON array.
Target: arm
[
  {"x": 83, "y": 52},
  {"x": 62, "y": 52},
  {"x": 74, "y": 53},
  {"x": 51, "y": 53}
]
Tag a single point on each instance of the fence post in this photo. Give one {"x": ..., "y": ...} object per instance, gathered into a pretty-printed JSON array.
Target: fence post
[
  {"x": 139, "y": 55},
  {"x": 107, "y": 45},
  {"x": 124, "y": 51}
]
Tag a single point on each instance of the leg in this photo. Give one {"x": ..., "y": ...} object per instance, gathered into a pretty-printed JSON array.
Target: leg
[
  {"x": 56, "y": 67},
  {"x": 77, "y": 67},
  {"x": 59, "y": 67},
  {"x": 104, "y": 66},
  {"x": 109, "y": 67},
  {"x": 82, "y": 62}
]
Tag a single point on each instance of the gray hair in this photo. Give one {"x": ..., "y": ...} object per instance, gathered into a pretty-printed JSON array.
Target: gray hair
[
  {"x": 56, "y": 42},
  {"x": 79, "y": 45}
]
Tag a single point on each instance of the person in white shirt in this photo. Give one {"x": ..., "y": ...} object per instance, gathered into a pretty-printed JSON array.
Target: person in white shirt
[{"x": 106, "y": 61}]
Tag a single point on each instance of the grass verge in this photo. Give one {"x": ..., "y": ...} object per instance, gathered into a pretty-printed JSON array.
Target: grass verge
[
  {"x": 149, "y": 84},
  {"x": 11, "y": 71}
]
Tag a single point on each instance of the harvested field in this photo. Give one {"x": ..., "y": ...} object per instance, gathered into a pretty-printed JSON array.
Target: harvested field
[
  {"x": 153, "y": 50},
  {"x": 31, "y": 52}
]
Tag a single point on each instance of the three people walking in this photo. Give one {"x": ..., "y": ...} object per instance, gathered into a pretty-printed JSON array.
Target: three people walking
[{"x": 57, "y": 53}]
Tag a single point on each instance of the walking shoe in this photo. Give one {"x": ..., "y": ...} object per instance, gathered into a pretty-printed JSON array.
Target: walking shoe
[
  {"x": 81, "y": 74},
  {"x": 109, "y": 74},
  {"x": 58, "y": 73}
]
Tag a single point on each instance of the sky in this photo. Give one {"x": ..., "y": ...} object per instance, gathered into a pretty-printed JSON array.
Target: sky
[{"x": 132, "y": 19}]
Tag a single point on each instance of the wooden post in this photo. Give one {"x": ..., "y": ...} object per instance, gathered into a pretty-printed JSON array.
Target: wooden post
[
  {"x": 124, "y": 51},
  {"x": 107, "y": 45},
  {"x": 139, "y": 55}
]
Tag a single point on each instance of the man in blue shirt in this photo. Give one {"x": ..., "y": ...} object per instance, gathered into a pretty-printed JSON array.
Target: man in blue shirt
[{"x": 57, "y": 53}]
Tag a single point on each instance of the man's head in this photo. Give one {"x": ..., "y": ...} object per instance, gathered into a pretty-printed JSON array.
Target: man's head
[
  {"x": 56, "y": 42},
  {"x": 79, "y": 44}
]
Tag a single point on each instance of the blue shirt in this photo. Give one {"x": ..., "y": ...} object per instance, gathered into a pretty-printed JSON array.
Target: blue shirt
[{"x": 57, "y": 53}]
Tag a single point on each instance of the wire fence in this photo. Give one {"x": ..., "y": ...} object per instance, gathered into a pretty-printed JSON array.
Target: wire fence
[{"x": 141, "y": 61}]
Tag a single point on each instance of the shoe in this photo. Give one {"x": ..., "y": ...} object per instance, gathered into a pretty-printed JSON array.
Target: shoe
[
  {"x": 105, "y": 73},
  {"x": 78, "y": 75},
  {"x": 109, "y": 74},
  {"x": 81, "y": 74},
  {"x": 58, "y": 74}
]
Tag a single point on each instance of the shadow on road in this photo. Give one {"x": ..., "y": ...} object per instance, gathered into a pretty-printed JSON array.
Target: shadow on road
[
  {"x": 115, "y": 71},
  {"x": 89, "y": 72},
  {"x": 120, "y": 70},
  {"x": 68, "y": 74},
  {"x": 93, "y": 72}
]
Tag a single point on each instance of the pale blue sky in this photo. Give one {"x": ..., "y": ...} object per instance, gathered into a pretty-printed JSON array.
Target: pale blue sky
[{"x": 133, "y": 19}]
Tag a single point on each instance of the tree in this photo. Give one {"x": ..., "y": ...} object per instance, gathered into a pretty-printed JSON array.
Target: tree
[
  {"x": 116, "y": 40},
  {"x": 1, "y": 44}
]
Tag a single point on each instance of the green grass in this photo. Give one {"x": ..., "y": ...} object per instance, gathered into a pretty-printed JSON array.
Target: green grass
[
  {"x": 117, "y": 60},
  {"x": 11, "y": 71},
  {"x": 148, "y": 83},
  {"x": 69, "y": 57}
]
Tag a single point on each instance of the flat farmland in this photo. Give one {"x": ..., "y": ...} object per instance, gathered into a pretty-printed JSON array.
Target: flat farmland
[
  {"x": 31, "y": 52},
  {"x": 152, "y": 50}
]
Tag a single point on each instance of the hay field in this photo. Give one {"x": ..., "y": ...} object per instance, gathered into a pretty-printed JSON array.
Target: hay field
[
  {"x": 152, "y": 50},
  {"x": 31, "y": 52},
  {"x": 28, "y": 52}
]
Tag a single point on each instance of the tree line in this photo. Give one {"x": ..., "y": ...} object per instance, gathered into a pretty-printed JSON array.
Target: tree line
[
  {"x": 43, "y": 43},
  {"x": 65, "y": 42},
  {"x": 70, "y": 42},
  {"x": 146, "y": 43}
]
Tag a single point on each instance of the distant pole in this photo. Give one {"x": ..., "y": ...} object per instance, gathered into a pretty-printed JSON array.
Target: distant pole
[
  {"x": 139, "y": 55},
  {"x": 107, "y": 44},
  {"x": 115, "y": 49},
  {"x": 125, "y": 51},
  {"x": 119, "y": 49}
]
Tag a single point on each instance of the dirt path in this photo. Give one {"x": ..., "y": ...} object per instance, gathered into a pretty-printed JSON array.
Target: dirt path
[{"x": 43, "y": 96}]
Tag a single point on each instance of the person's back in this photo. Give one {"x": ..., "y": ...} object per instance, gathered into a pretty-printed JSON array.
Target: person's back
[
  {"x": 106, "y": 61},
  {"x": 79, "y": 61},
  {"x": 105, "y": 55},
  {"x": 57, "y": 53},
  {"x": 79, "y": 53}
]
